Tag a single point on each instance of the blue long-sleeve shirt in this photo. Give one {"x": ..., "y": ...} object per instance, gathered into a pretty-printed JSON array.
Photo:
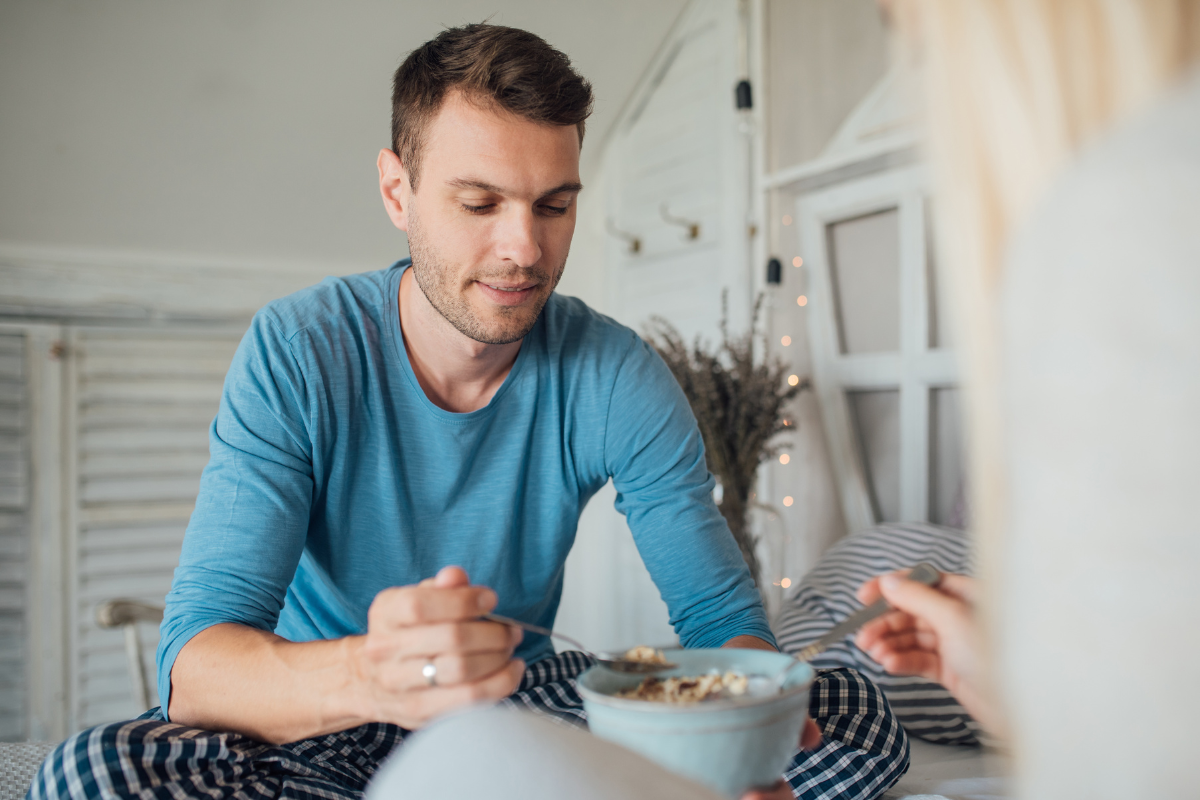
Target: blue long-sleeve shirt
[{"x": 332, "y": 476}]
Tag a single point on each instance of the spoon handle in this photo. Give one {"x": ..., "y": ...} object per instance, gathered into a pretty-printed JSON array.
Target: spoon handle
[
  {"x": 529, "y": 626},
  {"x": 922, "y": 573}
]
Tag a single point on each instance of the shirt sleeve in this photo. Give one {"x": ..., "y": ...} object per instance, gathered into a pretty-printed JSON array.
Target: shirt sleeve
[
  {"x": 248, "y": 529},
  {"x": 654, "y": 452}
]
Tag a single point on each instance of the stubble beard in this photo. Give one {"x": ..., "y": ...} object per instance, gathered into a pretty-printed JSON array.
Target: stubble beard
[{"x": 438, "y": 286}]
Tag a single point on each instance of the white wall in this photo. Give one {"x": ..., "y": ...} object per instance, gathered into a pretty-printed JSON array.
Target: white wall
[
  {"x": 245, "y": 129},
  {"x": 680, "y": 143}
]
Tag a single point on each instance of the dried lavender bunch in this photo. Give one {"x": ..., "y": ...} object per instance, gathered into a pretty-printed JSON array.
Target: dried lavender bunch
[{"x": 739, "y": 403}]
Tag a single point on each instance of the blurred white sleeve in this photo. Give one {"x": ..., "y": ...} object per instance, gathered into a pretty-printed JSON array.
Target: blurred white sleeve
[
  {"x": 1100, "y": 634},
  {"x": 504, "y": 754}
]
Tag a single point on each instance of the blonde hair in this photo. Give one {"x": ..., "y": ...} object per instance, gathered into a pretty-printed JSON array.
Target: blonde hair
[{"x": 1012, "y": 89}]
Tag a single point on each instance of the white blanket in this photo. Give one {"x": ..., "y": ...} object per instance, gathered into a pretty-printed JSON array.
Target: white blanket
[{"x": 950, "y": 772}]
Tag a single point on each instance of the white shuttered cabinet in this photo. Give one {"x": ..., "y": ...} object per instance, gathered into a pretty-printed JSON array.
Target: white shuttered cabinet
[
  {"x": 14, "y": 533},
  {"x": 103, "y": 436}
]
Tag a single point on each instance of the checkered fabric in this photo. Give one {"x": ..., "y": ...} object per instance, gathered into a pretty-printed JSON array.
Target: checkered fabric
[{"x": 865, "y": 750}]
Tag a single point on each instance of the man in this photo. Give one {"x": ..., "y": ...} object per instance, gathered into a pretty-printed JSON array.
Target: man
[{"x": 399, "y": 452}]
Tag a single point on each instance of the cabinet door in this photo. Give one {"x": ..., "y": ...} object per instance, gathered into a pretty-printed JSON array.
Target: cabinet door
[
  {"x": 32, "y": 665},
  {"x": 14, "y": 535},
  {"x": 141, "y": 405}
]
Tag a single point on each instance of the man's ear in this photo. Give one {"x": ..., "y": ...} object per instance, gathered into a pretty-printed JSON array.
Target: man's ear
[{"x": 395, "y": 188}]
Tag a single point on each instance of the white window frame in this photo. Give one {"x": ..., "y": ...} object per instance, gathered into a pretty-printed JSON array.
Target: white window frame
[{"x": 915, "y": 370}]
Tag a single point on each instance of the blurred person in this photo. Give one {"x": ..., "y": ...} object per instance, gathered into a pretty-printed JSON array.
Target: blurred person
[
  {"x": 1065, "y": 137},
  {"x": 399, "y": 452}
]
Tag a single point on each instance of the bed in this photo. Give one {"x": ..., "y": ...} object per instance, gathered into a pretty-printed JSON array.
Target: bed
[{"x": 951, "y": 772}]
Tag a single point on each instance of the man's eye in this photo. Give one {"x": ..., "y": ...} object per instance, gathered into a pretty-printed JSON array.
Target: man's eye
[
  {"x": 477, "y": 209},
  {"x": 557, "y": 211}
]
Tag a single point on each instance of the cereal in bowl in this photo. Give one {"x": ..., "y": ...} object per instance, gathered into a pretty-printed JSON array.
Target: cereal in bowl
[{"x": 688, "y": 689}]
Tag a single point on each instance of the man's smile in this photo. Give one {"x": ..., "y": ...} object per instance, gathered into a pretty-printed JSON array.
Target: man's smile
[{"x": 508, "y": 294}]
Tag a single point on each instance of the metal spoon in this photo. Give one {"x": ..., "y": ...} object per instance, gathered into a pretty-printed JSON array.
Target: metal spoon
[
  {"x": 922, "y": 573},
  {"x": 609, "y": 660}
]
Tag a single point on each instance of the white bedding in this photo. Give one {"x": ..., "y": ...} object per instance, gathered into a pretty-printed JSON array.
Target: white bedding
[{"x": 951, "y": 772}]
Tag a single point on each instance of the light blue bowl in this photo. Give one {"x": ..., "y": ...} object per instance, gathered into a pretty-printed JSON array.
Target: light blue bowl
[{"x": 729, "y": 745}]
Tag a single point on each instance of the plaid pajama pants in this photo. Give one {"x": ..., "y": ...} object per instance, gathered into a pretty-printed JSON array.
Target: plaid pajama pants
[{"x": 865, "y": 750}]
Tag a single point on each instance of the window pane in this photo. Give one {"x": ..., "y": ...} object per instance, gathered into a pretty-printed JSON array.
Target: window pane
[
  {"x": 947, "y": 489},
  {"x": 864, "y": 257},
  {"x": 876, "y": 419}
]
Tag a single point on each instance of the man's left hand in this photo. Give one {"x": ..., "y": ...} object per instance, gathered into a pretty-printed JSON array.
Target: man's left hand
[
  {"x": 810, "y": 734},
  {"x": 780, "y": 791}
]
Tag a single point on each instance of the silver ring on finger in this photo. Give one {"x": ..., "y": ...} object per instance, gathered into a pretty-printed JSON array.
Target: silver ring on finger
[{"x": 429, "y": 672}]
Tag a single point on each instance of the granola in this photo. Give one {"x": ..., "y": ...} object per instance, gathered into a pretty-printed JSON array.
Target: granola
[
  {"x": 684, "y": 690},
  {"x": 645, "y": 654}
]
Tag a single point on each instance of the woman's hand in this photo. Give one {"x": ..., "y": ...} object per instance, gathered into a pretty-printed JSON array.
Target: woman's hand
[{"x": 931, "y": 633}]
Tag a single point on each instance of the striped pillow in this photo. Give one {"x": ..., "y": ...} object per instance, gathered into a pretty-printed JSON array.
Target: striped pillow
[{"x": 826, "y": 596}]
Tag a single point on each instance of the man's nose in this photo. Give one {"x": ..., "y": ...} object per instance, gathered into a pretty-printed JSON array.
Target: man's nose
[{"x": 517, "y": 239}]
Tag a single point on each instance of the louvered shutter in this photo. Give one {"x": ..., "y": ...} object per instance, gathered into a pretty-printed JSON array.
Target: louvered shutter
[
  {"x": 14, "y": 535},
  {"x": 144, "y": 401}
]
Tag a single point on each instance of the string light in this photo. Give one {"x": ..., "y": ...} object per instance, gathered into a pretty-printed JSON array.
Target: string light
[
  {"x": 786, "y": 582},
  {"x": 787, "y": 219},
  {"x": 785, "y": 458},
  {"x": 787, "y": 501},
  {"x": 801, "y": 300},
  {"x": 797, "y": 262},
  {"x": 785, "y": 341},
  {"x": 793, "y": 380}
]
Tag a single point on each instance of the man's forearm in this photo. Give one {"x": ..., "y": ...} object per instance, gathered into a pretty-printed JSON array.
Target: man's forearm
[
  {"x": 426, "y": 653},
  {"x": 750, "y": 643},
  {"x": 235, "y": 678}
]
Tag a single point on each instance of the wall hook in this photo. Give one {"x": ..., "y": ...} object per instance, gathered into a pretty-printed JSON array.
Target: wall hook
[
  {"x": 692, "y": 228},
  {"x": 635, "y": 244}
]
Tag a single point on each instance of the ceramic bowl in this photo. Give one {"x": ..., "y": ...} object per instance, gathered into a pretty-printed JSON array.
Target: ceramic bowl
[{"x": 729, "y": 745}]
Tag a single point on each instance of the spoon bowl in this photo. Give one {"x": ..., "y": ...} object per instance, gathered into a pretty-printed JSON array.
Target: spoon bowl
[{"x": 614, "y": 661}]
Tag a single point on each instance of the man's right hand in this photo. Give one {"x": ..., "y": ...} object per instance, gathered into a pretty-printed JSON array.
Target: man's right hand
[
  {"x": 232, "y": 677},
  {"x": 435, "y": 622}
]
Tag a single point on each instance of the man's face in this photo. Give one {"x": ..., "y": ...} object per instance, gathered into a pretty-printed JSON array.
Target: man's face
[{"x": 491, "y": 221}]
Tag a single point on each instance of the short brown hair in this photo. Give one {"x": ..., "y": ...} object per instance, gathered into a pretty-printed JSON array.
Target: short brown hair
[{"x": 515, "y": 69}]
